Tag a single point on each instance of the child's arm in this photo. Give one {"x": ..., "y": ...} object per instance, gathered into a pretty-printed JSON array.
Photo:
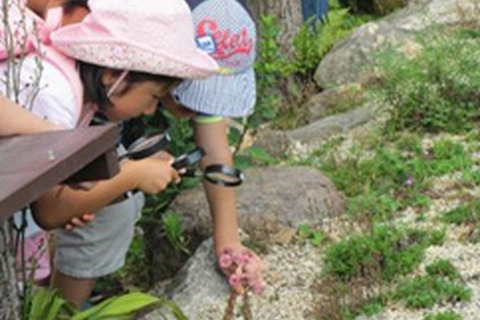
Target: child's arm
[
  {"x": 212, "y": 137},
  {"x": 62, "y": 203},
  {"x": 16, "y": 120}
]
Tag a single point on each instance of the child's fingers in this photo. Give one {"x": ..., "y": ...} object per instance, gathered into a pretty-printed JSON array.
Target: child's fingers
[
  {"x": 79, "y": 222},
  {"x": 88, "y": 217},
  {"x": 254, "y": 274},
  {"x": 164, "y": 156}
]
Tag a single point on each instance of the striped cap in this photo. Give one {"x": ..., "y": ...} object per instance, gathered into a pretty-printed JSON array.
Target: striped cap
[{"x": 225, "y": 30}]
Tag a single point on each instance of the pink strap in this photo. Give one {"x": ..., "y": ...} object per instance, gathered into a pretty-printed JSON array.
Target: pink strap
[{"x": 63, "y": 63}]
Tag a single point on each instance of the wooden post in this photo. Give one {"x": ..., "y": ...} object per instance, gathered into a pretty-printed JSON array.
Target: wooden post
[
  {"x": 9, "y": 301},
  {"x": 32, "y": 164}
]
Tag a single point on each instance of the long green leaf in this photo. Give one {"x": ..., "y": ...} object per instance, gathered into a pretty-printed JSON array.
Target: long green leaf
[
  {"x": 48, "y": 305},
  {"x": 118, "y": 306},
  {"x": 38, "y": 302},
  {"x": 56, "y": 305}
]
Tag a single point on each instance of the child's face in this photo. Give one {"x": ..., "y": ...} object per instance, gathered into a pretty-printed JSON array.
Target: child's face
[{"x": 142, "y": 99}]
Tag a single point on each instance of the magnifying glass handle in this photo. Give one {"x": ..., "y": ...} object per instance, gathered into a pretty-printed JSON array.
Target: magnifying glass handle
[
  {"x": 192, "y": 173},
  {"x": 189, "y": 158}
]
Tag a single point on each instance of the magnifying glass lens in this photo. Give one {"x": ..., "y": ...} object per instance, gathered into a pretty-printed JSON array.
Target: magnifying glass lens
[
  {"x": 222, "y": 177},
  {"x": 146, "y": 146},
  {"x": 145, "y": 143}
]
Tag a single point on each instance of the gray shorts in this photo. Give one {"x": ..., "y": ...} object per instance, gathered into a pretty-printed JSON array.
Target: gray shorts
[{"x": 100, "y": 247}]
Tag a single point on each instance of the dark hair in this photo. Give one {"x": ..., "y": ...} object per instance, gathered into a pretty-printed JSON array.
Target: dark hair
[
  {"x": 69, "y": 5},
  {"x": 95, "y": 91}
]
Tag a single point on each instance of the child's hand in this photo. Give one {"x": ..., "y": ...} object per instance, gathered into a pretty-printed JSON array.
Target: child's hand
[
  {"x": 79, "y": 221},
  {"x": 243, "y": 268},
  {"x": 153, "y": 174}
]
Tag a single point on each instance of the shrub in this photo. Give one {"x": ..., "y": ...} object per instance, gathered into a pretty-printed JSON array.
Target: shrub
[
  {"x": 426, "y": 291},
  {"x": 442, "y": 268},
  {"x": 466, "y": 214},
  {"x": 436, "y": 90},
  {"x": 387, "y": 251},
  {"x": 447, "y": 315}
]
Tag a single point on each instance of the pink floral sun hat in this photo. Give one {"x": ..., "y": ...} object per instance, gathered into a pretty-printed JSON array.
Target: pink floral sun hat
[{"x": 153, "y": 36}]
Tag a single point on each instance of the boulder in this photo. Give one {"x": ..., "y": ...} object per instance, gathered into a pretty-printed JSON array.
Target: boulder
[
  {"x": 349, "y": 59},
  {"x": 290, "y": 196}
]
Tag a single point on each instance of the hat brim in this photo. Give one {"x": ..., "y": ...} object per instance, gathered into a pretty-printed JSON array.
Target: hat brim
[
  {"x": 82, "y": 44},
  {"x": 223, "y": 95}
]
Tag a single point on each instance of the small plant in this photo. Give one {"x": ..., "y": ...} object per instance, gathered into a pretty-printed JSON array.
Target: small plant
[
  {"x": 448, "y": 156},
  {"x": 409, "y": 142},
  {"x": 372, "y": 307},
  {"x": 233, "y": 264},
  {"x": 426, "y": 291},
  {"x": 48, "y": 305},
  {"x": 372, "y": 207},
  {"x": 254, "y": 156},
  {"x": 437, "y": 237},
  {"x": 173, "y": 228},
  {"x": 465, "y": 214},
  {"x": 316, "y": 237},
  {"x": 447, "y": 315},
  {"x": 393, "y": 251},
  {"x": 442, "y": 268}
]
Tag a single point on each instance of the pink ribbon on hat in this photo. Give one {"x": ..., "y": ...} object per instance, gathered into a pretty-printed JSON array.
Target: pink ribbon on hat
[{"x": 53, "y": 21}]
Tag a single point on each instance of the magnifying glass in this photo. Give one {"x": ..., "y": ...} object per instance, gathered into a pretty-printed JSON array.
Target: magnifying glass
[
  {"x": 223, "y": 175},
  {"x": 147, "y": 145},
  {"x": 218, "y": 174}
]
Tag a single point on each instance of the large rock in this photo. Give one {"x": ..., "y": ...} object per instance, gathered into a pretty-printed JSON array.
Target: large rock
[
  {"x": 327, "y": 101},
  {"x": 321, "y": 130},
  {"x": 299, "y": 141},
  {"x": 290, "y": 196},
  {"x": 198, "y": 283},
  {"x": 347, "y": 61},
  {"x": 276, "y": 143}
]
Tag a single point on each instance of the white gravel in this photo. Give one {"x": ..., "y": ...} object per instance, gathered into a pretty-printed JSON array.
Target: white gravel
[{"x": 292, "y": 269}]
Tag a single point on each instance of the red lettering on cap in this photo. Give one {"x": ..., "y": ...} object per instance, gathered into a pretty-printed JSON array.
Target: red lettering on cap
[{"x": 228, "y": 43}]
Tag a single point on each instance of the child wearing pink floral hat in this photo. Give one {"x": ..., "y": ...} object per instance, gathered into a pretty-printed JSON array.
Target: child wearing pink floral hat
[{"x": 126, "y": 56}]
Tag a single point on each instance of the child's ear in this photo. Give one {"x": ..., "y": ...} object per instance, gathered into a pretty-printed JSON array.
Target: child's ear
[{"x": 108, "y": 77}]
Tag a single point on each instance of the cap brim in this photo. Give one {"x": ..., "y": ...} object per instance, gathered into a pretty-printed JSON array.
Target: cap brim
[
  {"x": 223, "y": 95},
  {"x": 83, "y": 44}
]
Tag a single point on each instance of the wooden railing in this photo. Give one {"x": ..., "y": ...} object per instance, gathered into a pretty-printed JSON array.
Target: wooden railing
[{"x": 31, "y": 164}]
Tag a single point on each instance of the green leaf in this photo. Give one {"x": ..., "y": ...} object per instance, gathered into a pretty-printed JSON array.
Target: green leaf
[
  {"x": 317, "y": 238},
  {"x": 304, "y": 231},
  {"x": 48, "y": 305},
  {"x": 177, "y": 312},
  {"x": 118, "y": 306}
]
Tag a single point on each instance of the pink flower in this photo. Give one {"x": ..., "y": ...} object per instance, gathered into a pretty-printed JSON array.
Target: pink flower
[
  {"x": 225, "y": 261},
  {"x": 241, "y": 259},
  {"x": 235, "y": 280}
]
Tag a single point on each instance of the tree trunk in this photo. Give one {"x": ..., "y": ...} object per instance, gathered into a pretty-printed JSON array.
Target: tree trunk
[
  {"x": 9, "y": 302},
  {"x": 288, "y": 14}
]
